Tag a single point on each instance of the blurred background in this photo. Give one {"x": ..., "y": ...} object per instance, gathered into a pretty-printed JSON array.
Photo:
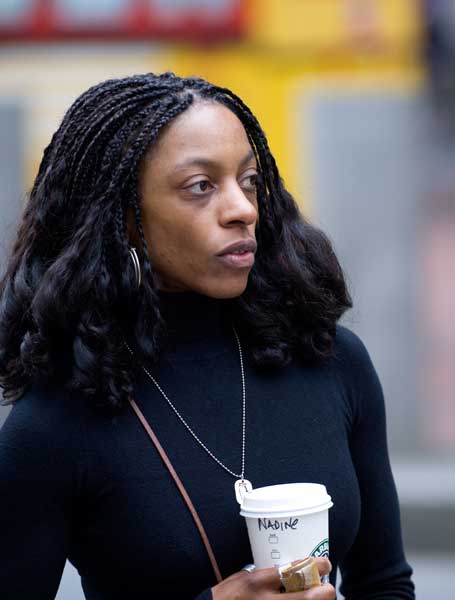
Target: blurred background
[{"x": 357, "y": 98}]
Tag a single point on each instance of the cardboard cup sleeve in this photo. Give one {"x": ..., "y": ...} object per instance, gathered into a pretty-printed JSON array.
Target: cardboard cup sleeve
[{"x": 300, "y": 575}]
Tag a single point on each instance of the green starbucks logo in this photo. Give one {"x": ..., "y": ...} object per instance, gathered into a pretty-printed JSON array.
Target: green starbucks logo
[{"x": 322, "y": 549}]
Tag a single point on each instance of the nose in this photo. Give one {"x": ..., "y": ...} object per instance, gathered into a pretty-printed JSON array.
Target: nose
[{"x": 236, "y": 207}]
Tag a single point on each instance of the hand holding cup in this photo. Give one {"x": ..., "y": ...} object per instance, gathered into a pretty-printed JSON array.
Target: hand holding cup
[{"x": 267, "y": 584}]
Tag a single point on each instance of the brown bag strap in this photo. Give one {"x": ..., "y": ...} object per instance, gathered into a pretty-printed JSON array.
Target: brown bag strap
[{"x": 180, "y": 486}]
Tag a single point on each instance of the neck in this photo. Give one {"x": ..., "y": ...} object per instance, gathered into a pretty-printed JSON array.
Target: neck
[{"x": 190, "y": 316}]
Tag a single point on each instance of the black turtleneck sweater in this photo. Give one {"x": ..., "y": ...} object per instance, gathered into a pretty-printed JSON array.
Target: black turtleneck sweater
[{"x": 91, "y": 488}]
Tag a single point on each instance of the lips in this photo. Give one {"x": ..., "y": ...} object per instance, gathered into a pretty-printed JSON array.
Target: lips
[
  {"x": 239, "y": 254},
  {"x": 239, "y": 247}
]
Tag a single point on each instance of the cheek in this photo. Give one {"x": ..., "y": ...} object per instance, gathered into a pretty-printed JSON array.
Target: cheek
[{"x": 177, "y": 241}]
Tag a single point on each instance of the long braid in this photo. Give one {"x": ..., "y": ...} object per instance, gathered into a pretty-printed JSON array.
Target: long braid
[{"x": 149, "y": 296}]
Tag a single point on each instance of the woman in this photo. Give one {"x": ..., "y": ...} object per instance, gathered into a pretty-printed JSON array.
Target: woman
[{"x": 160, "y": 258}]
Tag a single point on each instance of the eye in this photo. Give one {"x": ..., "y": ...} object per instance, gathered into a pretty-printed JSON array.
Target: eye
[
  {"x": 200, "y": 188},
  {"x": 250, "y": 182}
]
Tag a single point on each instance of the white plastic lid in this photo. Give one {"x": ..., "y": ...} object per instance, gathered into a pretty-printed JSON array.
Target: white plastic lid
[{"x": 285, "y": 500}]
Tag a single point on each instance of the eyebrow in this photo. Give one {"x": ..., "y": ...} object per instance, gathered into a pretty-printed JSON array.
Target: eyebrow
[{"x": 202, "y": 161}]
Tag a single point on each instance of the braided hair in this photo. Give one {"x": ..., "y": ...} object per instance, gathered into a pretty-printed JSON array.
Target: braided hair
[{"x": 69, "y": 289}]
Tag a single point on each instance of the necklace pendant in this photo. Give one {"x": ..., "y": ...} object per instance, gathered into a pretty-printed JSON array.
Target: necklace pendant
[{"x": 242, "y": 487}]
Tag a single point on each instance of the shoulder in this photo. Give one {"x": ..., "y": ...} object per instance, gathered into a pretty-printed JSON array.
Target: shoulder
[
  {"x": 348, "y": 343},
  {"x": 354, "y": 367},
  {"x": 47, "y": 421},
  {"x": 350, "y": 352}
]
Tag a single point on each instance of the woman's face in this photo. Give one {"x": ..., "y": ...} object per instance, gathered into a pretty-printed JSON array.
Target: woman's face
[{"x": 198, "y": 195}]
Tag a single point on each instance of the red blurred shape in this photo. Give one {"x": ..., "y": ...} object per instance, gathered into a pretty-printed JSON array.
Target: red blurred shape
[{"x": 129, "y": 19}]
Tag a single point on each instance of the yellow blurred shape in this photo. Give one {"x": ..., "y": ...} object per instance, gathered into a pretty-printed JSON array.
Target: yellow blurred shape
[{"x": 333, "y": 24}]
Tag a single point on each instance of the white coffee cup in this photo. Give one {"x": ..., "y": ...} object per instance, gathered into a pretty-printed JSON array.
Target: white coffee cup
[{"x": 287, "y": 522}]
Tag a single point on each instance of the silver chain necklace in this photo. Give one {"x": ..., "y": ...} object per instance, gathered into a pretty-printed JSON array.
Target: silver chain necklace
[{"x": 242, "y": 485}]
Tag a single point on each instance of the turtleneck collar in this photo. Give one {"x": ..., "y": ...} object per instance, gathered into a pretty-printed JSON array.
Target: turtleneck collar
[{"x": 192, "y": 316}]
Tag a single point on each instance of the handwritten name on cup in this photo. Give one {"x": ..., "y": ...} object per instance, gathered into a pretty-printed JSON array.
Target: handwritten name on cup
[{"x": 290, "y": 523}]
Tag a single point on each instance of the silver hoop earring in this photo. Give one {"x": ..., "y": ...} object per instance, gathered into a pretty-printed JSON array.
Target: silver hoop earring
[{"x": 137, "y": 265}]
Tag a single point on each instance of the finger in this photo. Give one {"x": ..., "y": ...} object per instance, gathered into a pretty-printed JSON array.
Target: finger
[
  {"x": 268, "y": 578},
  {"x": 324, "y": 565},
  {"x": 322, "y": 592}
]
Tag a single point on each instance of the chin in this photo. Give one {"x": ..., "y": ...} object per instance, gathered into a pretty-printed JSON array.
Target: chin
[{"x": 225, "y": 289}]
